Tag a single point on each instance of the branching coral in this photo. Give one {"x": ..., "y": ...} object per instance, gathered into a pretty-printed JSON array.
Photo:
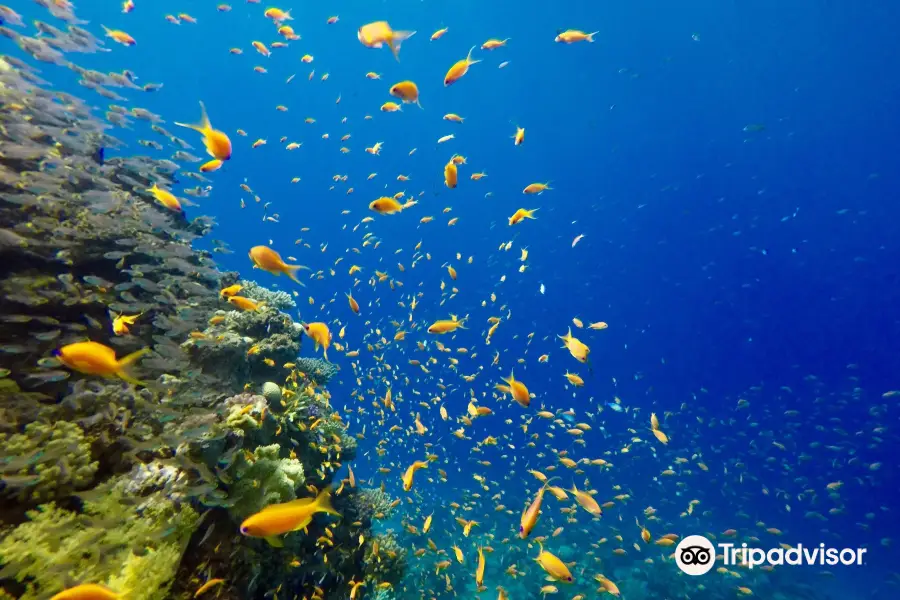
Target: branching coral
[
  {"x": 317, "y": 370},
  {"x": 47, "y": 461},
  {"x": 263, "y": 480},
  {"x": 390, "y": 562},
  {"x": 369, "y": 503},
  {"x": 274, "y": 298},
  {"x": 131, "y": 549}
]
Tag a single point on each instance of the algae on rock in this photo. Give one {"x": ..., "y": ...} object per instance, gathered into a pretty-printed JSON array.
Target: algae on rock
[
  {"x": 132, "y": 548},
  {"x": 47, "y": 461}
]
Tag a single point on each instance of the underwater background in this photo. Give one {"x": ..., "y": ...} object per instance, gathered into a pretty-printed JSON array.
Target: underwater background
[{"x": 722, "y": 197}]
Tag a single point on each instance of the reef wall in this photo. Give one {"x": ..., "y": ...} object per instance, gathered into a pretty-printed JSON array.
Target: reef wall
[{"x": 142, "y": 488}]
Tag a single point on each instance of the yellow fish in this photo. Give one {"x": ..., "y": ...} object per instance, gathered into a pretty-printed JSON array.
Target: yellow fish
[
  {"x": 93, "y": 358},
  {"x": 554, "y": 567},
  {"x": 121, "y": 323},
  {"x": 410, "y": 472},
  {"x": 278, "y": 519},
  {"x": 575, "y": 346},
  {"x": 320, "y": 334}
]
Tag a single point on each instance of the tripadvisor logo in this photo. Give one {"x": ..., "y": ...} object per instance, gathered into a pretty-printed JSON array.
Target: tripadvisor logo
[{"x": 696, "y": 555}]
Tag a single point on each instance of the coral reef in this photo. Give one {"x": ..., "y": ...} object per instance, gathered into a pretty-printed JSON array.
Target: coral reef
[
  {"x": 272, "y": 393},
  {"x": 263, "y": 479},
  {"x": 127, "y": 543},
  {"x": 317, "y": 370},
  {"x": 104, "y": 481},
  {"x": 371, "y": 503},
  {"x": 47, "y": 461},
  {"x": 275, "y": 298},
  {"x": 247, "y": 346}
]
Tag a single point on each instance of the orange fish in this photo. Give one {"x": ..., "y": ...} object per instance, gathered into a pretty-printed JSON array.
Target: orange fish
[
  {"x": 385, "y": 206},
  {"x": 494, "y": 44},
  {"x": 451, "y": 175},
  {"x": 277, "y": 519},
  {"x": 217, "y": 143},
  {"x": 354, "y": 305},
  {"x": 119, "y": 36},
  {"x": 522, "y": 213},
  {"x": 166, "y": 198},
  {"x": 270, "y": 261},
  {"x": 278, "y": 15},
  {"x": 93, "y": 358},
  {"x": 245, "y": 303},
  {"x": 210, "y": 166},
  {"x": 87, "y": 591},
  {"x": 530, "y": 515},
  {"x": 261, "y": 48},
  {"x": 460, "y": 68},
  {"x": 406, "y": 91},
  {"x": 520, "y": 136},
  {"x": 375, "y": 35},
  {"x": 518, "y": 390},
  {"x": 573, "y": 35},
  {"x": 320, "y": 334}
]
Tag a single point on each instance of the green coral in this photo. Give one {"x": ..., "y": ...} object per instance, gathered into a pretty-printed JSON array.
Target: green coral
[
  {"x": 48, "y": 460},
  {"x": 264, "y": 480},
  {"x": 132, "y": 549},
  {"x": 272, "y": 393}
]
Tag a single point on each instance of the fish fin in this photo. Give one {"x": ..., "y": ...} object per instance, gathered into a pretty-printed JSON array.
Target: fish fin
[
  {"x": 323, "y": 502},
  {"x": 203, "y": 126},
  {"x": 303, "y": 524},
  {"x": 469, "y": 60},
  {"x": 275, "y": 541},
  {"x": 398, "y": 38},
  {"x": 291, "y": 271},
  {"x": 127, "y": 361},
  {"x": 590, "y": 36}
]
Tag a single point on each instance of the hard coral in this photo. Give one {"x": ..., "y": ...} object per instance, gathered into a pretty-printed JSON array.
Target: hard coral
[
  {"x": 274, "y": 298},
  {"x": 317, "y": 370}
]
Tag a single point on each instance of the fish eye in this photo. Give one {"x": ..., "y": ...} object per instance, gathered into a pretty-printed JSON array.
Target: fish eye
[{"x": 244, "y": 529}]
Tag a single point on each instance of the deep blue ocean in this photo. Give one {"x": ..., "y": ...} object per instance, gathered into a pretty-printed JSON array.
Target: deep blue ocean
[{"x": 733, "y": 168}]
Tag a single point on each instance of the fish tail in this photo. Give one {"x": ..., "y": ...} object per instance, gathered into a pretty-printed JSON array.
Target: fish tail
[
  {"x": 132, "y": 358},
  {"x": 469, "y": 60},
  {"x": 122, "y": 366},
  {"x": 291, "y": 271},
  {"x": 203, "y": 126},
  {"x": 531, "y": 213},
  {"x": 419, "y": 104},
  {"x": 323, "y": 502},
  {"x": 398, "y": 38},
  {"x": 590, "y": 36}
]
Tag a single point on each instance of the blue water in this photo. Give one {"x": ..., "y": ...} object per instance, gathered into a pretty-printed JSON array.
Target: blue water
[{"x": 721, "y": 258}]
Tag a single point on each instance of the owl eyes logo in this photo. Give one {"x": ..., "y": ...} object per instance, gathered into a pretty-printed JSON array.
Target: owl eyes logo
[{"x": 695, "y": 555}]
